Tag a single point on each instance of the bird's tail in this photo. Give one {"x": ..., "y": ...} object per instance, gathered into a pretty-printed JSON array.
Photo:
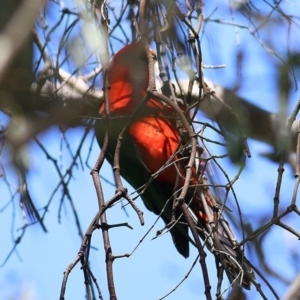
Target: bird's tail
[{"x": 27, "y": 204}]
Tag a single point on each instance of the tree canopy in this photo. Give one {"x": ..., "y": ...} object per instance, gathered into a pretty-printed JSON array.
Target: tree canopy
[{"x": 235, "y": 64}]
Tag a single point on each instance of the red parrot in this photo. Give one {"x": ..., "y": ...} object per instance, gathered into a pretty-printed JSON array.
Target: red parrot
[{"x": 152, "y": 141}]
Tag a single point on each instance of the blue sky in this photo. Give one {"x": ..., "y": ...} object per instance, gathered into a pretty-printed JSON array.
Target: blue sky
[{"x": 35, "y": 270}]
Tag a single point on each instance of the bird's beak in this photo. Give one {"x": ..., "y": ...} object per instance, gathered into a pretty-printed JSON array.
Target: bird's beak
[{"x": 153, "y": 53}]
